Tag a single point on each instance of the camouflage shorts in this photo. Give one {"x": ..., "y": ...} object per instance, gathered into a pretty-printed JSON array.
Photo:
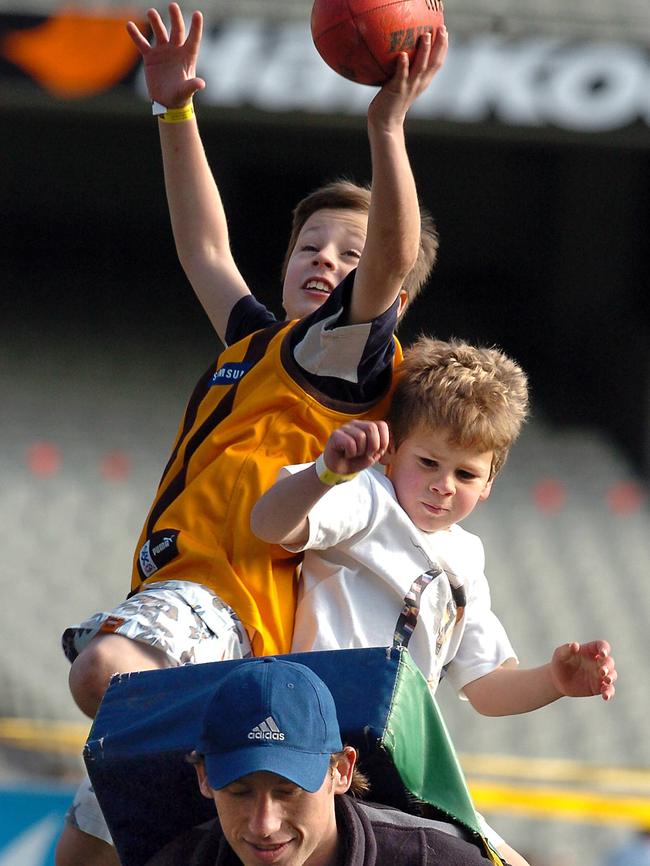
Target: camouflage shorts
[
  {"x": 85, "y": 814},
  {"x": 185, "y": 620}
]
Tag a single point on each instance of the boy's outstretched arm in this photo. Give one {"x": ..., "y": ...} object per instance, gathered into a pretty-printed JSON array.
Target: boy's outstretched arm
[
  {"x": 575, "y": 670},
  {"x": 393, "y": 237},
  {"x": 197, "y": 215},
  {"x": 281, "y": 515}
]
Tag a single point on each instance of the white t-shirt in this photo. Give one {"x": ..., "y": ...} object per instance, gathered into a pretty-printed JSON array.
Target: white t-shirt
[{"x": 362, "y": 557}]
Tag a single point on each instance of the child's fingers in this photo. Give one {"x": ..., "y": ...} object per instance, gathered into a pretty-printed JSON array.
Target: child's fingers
[
  {"x": 196, "y": 32},
  {"x": 384, "y": 436},
  {"x": 157, "y": 27},
  {"x": 360, "y": 438},
  {"x": 372, "y": 439},
  {"x": 193, "y": 86},
  {"x": 401, "y": 73},
  {"x": 369, "y": 439},
  {"x": 429, "y": 58},
  {"x": 600, "y": 648},
  {"x": 607, "y": 670},
  {"x": 610, "y": 677},
  {"x": 137, "y": 38},
  {"x": 349, "y": 441},
  {"x": 607, "y": 691},
  {"x": 422, "y": 54},
  {"x": 357, "y": 437},
  {"x": 377, "y": 438},
  {"x": 177, "y": 35},
  {"x": 439, "y": 48},
  {"x": 565, "y": 652}
]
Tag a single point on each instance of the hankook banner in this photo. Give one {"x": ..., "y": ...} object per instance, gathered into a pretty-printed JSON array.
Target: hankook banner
[{"x": 583, "y": 87}]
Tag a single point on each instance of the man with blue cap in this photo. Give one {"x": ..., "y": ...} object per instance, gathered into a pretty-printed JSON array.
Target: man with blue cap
[{"x": 270, "y": 756}]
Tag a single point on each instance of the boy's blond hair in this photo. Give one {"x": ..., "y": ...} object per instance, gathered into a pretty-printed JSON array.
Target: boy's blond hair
[
  {"x": 478, "y": 396},
  {"x": 344, "y": 194}
]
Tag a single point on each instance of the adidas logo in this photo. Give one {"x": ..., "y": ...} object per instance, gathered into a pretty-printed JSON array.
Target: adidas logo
[{"x": 266, "y": 730}]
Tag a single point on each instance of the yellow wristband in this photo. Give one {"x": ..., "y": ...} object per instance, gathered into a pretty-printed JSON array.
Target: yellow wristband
[
  {"x": 331, "y": 478},
  {"x": 177, "y": 115}
]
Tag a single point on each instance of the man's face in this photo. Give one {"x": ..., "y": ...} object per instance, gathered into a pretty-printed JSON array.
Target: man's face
[{"x": 267, "y": 819}]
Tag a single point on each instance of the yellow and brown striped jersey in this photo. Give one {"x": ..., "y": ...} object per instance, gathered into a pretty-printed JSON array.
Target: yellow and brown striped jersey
[{"x": 250, "y": 414}]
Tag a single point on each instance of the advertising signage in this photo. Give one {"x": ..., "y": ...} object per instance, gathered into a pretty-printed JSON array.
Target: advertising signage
[{"x": 535, "y": 82}]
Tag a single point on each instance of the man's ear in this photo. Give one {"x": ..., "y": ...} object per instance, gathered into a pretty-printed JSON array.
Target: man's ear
[
  {"x": 403, "y": 301},
  {"x": 206, "y": 790},
  {"x": 343, "y": 770}
]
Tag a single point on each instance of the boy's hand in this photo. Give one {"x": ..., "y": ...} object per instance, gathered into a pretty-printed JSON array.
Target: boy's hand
[
  {"x": 170, "y": 63},
  {"x": 581, "y": 670},
  {"x": 397, "y": 95},
  {"x": 356, "y": 446}
]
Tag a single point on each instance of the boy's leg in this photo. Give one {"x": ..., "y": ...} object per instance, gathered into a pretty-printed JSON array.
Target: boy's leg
[
  {"x": 76, "y": 848},
  {"x": 105, "y": 655},
  {"x": 92, "y": 846},
  {"x": 166, "y": 625}
]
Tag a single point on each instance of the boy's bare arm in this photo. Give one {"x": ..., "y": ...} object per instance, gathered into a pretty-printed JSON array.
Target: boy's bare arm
[
  {"x": 393, "y": 236},
  {"x": 197, "y": 215},
  {"x": 281, "y": 515},
  {"x": 576, "y": 670}
]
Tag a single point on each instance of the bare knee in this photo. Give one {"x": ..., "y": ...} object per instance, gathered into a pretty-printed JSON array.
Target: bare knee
[
  {"x": 105, "y": 655},
  {"x": 76, "y": 848}
]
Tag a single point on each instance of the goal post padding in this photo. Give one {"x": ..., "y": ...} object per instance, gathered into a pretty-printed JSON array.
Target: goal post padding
[{"x": 149, "y": 721}]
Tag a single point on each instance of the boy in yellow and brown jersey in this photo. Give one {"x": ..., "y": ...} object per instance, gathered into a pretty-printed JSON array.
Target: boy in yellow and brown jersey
[
  {"x": 256, "y": 406},
  {"x": 203, "y": 587}
]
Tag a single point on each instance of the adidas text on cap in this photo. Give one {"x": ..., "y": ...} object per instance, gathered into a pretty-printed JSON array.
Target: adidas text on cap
[{"x": 273, "y": 715}]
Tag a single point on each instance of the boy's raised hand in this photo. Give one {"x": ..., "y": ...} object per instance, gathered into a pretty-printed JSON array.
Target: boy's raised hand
[
  {"x": 170, "y": 62},
  {"x": 392, "y": 102},
  {"x": 356, "y": 446},
  {"x": 581, "y": 670}
]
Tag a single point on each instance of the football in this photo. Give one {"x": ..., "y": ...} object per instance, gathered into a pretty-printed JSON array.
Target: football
[{"x": 360, "y": 39}]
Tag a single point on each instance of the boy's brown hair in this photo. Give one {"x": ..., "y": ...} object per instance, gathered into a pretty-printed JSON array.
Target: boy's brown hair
[
  {"x": 478, "y": 396},
  {"x": 344, "y": 194}
]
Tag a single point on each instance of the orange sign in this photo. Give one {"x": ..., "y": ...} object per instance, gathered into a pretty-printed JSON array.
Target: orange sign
[{"x": 74, "y": 54}]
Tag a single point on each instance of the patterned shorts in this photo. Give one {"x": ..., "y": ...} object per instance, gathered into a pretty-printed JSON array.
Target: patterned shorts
[
  {"x": 187, "y": 621},
  {"x": 84, "y": 814}
]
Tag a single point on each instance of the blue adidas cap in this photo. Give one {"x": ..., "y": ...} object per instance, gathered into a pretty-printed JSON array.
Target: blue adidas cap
[{"x": 274, "y": 715}]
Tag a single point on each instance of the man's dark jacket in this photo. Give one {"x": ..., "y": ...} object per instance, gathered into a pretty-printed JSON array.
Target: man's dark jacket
[{"x": 370, "y": 835}]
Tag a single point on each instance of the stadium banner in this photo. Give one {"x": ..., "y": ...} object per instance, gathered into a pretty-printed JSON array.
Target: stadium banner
[
  {"x": 71, "y": 54},
  {"x": 534, "y": 82},
  {"x": 31, "y": 820}
]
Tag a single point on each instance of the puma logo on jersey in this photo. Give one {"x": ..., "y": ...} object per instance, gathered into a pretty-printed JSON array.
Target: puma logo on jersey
[{"x": 157, "y": 551}]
